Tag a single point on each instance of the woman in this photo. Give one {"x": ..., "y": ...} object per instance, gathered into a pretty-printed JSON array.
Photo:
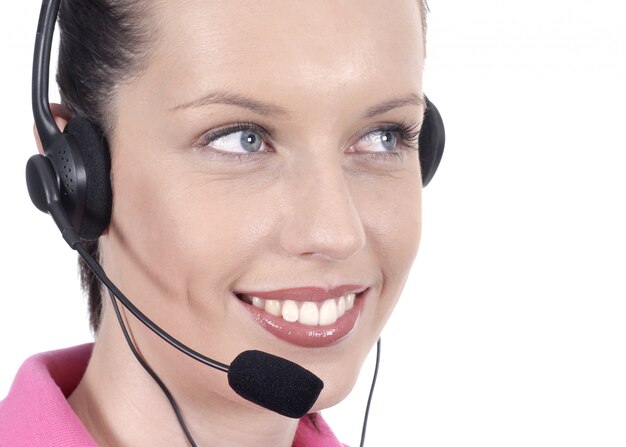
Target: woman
[{"x": 267, "y": 191}]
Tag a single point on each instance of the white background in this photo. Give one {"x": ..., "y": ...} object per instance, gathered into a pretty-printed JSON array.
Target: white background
[{"x": 512, "y": 328}]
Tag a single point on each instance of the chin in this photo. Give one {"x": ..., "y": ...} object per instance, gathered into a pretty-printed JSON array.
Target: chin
[{"x": 339, "y": 377}]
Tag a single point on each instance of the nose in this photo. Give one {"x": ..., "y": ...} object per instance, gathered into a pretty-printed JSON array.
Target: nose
[{"x": 321, "y": 218}]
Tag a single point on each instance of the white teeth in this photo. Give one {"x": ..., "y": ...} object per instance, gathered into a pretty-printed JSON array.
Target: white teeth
[
  {"x": 341, "y": 307},
  {"x": 350, "y": 301},
  {"x": 274, "y": 307},
  {"x": 290, "y": 311},
  {"x": 328, "y": 312},
  {"x": 309, "y": 314}
]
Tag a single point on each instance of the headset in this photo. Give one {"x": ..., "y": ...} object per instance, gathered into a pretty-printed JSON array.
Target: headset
[
  {"x": 71, "y": 182},
  {"x": 79, "y": 157}
]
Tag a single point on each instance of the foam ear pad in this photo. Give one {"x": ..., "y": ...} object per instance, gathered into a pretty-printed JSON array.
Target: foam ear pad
[
  {"x": 432, "y": 140},
  {"x": 97, "y": 165}
]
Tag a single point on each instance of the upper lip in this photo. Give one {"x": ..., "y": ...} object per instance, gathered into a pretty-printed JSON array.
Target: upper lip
[{"x": 306, "y": 293}]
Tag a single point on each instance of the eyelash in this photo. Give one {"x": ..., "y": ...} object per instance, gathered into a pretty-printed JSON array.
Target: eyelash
[
  {"x": 408, "y": 138},
  {"x": 407, "y": 134}
]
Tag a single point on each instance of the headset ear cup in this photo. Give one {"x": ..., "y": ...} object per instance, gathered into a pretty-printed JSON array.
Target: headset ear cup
[
  {"x": 94, "y": 151},
  {"x": 432, "y": 140}
]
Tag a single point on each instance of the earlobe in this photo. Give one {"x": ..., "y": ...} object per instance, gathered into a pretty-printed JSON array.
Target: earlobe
[{"x": 61, "y": 115}]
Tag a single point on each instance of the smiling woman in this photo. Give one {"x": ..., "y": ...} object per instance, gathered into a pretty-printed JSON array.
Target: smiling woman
[{"x": 266, "y": 195}]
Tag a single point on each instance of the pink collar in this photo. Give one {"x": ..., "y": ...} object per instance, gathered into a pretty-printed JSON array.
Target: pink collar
[{"x": 36, "y": 413}]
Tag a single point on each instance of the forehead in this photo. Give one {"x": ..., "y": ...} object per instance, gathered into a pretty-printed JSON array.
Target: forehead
[{"x": 284, "y": 49}]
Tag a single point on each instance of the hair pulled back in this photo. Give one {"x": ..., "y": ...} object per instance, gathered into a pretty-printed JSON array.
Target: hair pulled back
[{"x": 103, "y": 44}]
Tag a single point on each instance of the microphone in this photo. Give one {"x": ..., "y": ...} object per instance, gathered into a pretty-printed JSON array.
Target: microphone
[
  {"x": 267, "y": 380},
  {"x": 274, "y": 383}
]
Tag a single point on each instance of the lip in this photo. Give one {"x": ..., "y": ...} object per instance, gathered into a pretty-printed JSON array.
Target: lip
[
  {"x": 308, "y": 336},
  {"x": 306, "y": 293}
]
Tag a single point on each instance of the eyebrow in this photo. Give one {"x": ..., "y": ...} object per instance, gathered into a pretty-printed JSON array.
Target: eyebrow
[
  {"x": 265, "y": 108},
  {"x": 384, "y": 107},
  {"x": 224, "y": 97}
]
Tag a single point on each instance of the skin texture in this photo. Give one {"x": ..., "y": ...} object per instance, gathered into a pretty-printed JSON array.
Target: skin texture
[{"x": 315, "y": 207}]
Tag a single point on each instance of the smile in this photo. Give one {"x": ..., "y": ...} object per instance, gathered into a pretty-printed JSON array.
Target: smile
[
  {"x": 309, "y": 313},
  {"x": 309, "y": 317}
]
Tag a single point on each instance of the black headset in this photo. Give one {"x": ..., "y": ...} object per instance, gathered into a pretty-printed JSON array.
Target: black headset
[
  {"x": 76, "y": 164},
  {"x": 71, "y": 182},
  {"x": 74, "y": 171}
]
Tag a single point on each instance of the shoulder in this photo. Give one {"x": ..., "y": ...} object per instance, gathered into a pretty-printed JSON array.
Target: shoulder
[{"x": 36, "y": 411}]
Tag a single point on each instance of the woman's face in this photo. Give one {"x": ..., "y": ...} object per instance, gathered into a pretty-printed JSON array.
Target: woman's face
[{"x": 269, "y": 146}]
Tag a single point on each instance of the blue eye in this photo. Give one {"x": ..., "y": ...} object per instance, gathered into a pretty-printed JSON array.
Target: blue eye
[
  {"x": 389, "y": 140},
  {"x": 247, "y": 141},
  {"x": 380, "y": 141},
  {"x": 242, "y": 141}
]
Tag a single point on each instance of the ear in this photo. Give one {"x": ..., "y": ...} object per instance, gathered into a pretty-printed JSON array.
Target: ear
[{"x": 61, "y": 115}]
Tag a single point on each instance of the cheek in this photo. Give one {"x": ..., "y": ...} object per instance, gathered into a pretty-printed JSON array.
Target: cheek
[
  {"x": 197, "y": 228},
  {"x": 394, "y": 232},
  {"x": 392, "y": 215},
  {"x": 147, "y": 227},
  {"x": 222, "y": 229},
  {"x": 186, "y": 222}
]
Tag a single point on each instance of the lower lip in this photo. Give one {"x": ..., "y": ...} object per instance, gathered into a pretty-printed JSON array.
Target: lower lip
[{"x": 309, "y": 336}]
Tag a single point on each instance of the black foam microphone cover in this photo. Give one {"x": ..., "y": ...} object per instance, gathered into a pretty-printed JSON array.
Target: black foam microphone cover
[{"x": 274, "y": 383}]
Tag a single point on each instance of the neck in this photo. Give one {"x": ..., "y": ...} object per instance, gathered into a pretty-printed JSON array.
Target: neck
[{"x": 120, "y": 404}]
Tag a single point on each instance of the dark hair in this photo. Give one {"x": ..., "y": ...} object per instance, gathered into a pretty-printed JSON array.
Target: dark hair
[{"x": 104, "y": 43}]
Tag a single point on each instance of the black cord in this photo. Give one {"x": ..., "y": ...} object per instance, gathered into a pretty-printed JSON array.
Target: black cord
[
  {"x": 97, "y": 269},
  {"x": 369, "y": 399},
  {"x": 149, "y": 370},
  {"x": 114, "y": 293}
]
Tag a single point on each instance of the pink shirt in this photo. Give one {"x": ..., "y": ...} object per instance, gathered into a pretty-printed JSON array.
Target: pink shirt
[{"x": 36, "y": 413}]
